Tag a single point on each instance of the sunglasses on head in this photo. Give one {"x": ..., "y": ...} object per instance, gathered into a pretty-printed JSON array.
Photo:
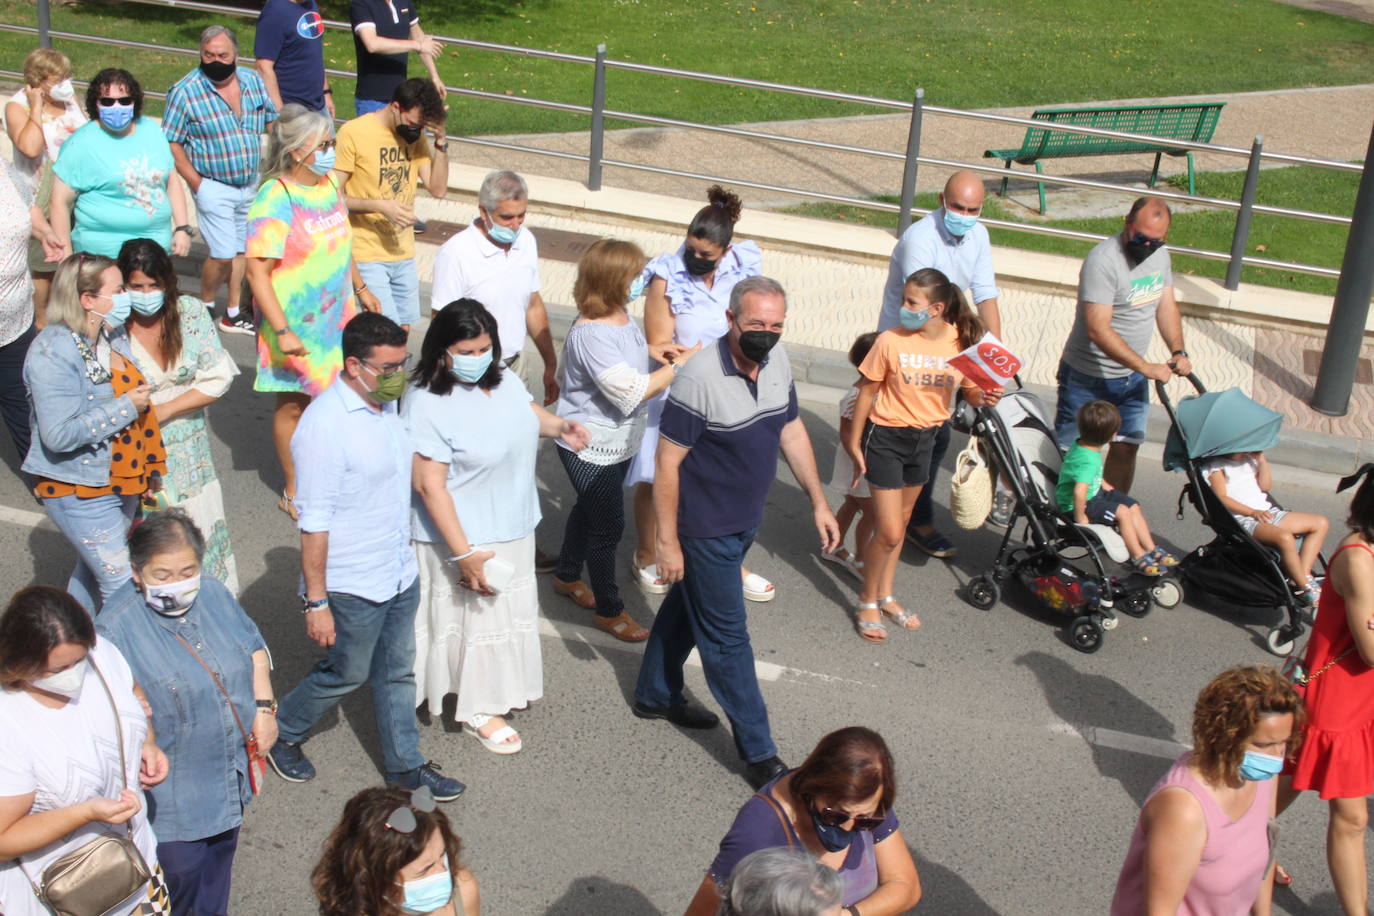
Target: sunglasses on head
[
  {"x": 832, "y": 817},
  {"x": 108, "y": 101},
  {"x": 402, "y": 820}
]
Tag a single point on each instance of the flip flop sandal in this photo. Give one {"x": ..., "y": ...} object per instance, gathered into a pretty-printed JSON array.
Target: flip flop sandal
[
  {"x": 844, "y": 560},
  {"x": 649, "y": 580},
  {"x": 868, "y": 629},
  {"x": 1146, "y": 565},
  {"x": 900, "y": 618},
  {"x": 622, "y": 626},
  {"x": 757, "y": 588},
  {"x": 578, "y": 591},
  {"x": 287, "y": 504},
  {"x": 497, "y": 742}
]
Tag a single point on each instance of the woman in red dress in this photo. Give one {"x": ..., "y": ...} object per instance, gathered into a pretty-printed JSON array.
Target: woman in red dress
[{"x": 1337, "y": 753}]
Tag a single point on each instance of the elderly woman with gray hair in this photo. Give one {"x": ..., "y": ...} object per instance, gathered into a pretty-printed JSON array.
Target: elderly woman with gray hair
[
  {"x": 302, "y": 274},
  {"x": 204, "y": 668},
  {"x": 781, "y": 882}
]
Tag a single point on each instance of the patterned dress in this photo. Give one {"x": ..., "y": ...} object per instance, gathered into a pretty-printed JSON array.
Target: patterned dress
[
  {"x": 190, "y": 481},
  {"x": 305, "y": 230}
]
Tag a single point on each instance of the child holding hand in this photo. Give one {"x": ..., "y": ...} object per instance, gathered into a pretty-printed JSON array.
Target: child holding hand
[
  {"x": 1242, "y": 481},
  {"x": 905, "y": 396},
  {"x": 1082, "y": 491}
]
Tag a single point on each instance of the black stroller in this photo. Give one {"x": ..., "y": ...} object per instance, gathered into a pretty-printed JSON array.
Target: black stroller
[
  {"x": 1062, "y": 563},
  {"x": 1233, "y": 567}
]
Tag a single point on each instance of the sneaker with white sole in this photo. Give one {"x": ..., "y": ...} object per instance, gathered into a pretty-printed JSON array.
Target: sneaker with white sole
[{"x": 239, "y": 325}]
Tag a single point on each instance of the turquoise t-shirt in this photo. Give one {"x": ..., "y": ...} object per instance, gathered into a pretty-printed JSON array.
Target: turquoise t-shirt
[
  {"x": 1080, "y": 464},
  {"x": 120, "y": 185}
]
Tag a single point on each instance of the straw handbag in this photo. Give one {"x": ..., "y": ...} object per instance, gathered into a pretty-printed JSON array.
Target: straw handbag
[{"x": 970, "y": 487}]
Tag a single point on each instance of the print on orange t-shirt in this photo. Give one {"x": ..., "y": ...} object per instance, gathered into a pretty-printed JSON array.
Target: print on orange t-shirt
[{"x": 916, "y": 383}]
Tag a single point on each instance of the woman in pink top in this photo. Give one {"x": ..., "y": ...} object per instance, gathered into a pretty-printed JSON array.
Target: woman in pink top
[{"x": 1201, "y": 846}]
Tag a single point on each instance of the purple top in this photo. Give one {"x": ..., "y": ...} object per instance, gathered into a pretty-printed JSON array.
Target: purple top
[{"x": 758, "y": 826}]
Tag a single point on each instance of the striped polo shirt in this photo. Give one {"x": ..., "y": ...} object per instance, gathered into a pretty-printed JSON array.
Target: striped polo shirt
[{"x": 733, "y": 426}]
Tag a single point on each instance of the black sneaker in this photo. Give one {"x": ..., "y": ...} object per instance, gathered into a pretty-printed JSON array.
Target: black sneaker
[
  {"x": 683, "y": 714},
  {"x": 443, "y": 788},
  {"x": 239, "y": 325},
  {"x": 935, "y": 544},
  {"x": 290, "y": 762},
  {"x": 1002, "y": 505}
]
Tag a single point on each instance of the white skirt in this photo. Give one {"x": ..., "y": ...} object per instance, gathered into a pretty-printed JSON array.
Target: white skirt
[
  {"x": 641, "y": 468},
  {"x": 485, "y": 650}
]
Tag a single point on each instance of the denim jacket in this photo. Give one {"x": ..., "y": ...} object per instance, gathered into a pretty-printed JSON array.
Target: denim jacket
[
  {"x": 207, "y": 786},
  {"x": 73, "y": 417}
]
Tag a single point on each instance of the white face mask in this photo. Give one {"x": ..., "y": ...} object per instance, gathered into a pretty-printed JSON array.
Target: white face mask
[
  {"x": 62, "y": 92},
  {"x": 64, "y": 683},
  {"x": 173, "y": 599}
]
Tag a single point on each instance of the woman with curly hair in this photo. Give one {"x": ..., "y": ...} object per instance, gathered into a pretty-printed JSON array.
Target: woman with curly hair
[
  {"x": 393, "y": 853},
  {"x": 1202, "y": 842}
]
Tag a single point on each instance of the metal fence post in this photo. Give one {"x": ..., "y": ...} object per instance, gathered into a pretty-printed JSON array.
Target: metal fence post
[
  {"x": 44, "y": 24},
  {"x": 913, "y": 151},
  {"x": 1350, "y": 311},
  {"x": 598, "y": 121},
  {"x": 1241, "y": 237}
]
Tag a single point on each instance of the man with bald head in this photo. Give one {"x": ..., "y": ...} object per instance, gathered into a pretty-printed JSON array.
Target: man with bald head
[
  {"x": 1126, "y": 286},
  {"x": 951, "y": 240}
]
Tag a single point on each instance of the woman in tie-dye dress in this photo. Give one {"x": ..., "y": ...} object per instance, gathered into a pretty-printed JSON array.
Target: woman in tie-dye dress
[{"x": 300, "y": 268}]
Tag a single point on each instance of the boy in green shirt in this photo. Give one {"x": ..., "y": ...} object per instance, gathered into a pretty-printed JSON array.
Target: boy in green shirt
[{"x": 1082, "y": 492}]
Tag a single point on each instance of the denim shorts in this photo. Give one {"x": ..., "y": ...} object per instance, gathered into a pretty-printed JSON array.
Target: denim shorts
[
  {"x": 396, "y": 285},
  {"x": 1130, "y": 394},
  {"x": 222, "y": 212},
  {"x": 898, "y": 456}
]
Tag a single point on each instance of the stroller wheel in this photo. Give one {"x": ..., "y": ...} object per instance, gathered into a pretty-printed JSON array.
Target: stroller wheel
[
  {"x": 1085, "y": 633},
  {"x": 1280, "y": 639},
  {"x": 1168, "y": 593},
  {"x": 982, "y": 592},
  {"x": 1136, "y": 603}
]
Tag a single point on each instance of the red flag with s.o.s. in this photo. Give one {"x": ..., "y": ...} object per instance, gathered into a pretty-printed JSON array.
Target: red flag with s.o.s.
[{"x": 988, "y": 363}]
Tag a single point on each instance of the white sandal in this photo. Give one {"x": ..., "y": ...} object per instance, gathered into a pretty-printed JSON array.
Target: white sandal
[
  {"x": 649, "y": 580},
  {"x": 495, "y": 742},
  {"x": 842, "y": 558},
  {"x": 757, "y": 588}
]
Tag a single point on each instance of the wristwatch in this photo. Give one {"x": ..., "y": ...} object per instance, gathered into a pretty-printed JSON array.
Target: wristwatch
[
  {"x": 1179, "y": 353},
  {"x": 442, "y": 149},
  {"x": 186, "y": 229},
  {"x": 313, "y": 604},
  {"x": 269, "y": 706}
]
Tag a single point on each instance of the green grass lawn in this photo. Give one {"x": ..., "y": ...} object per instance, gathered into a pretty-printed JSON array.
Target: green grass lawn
[
  {"x": 966, "y": 53},
  {"x": 1302, "y": 242}
]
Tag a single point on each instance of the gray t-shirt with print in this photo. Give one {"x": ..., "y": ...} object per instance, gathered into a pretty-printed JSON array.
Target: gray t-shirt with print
[{"x": 1133, "y": 293}]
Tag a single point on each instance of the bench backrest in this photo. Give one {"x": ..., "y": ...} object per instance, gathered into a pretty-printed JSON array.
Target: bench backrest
[{"x": 1194, "y": 122}]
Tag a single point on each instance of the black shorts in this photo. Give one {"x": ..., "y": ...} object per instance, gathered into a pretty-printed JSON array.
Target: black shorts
[
  {"x": 898, "y": 456},
  {"x": 1102, "y": 508}
]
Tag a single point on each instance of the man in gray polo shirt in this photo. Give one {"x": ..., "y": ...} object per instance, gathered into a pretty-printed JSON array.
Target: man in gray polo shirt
[
  {"x": 1126, "y": 286},
  {"x": 729, "y": 413}
]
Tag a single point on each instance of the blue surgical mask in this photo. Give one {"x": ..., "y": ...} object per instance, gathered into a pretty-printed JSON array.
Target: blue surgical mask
[
  {"x": 832, "y": 838},
  {"x": 116, "y": 117},
  {"x": 913, "y": 321},
  {"x": 146, "y": 303},
  {"x": 499, "y": 233},
  {"x": 470, "y": 368},
  {"x": 1257, "y": 767},
  {"x": 120, "y": 306},
  {"x": 637, "y": 287},
  {"x": 427, "y": 894},
  {"x": 960, "y": 223},
  {"x": 323, "y": 162}
]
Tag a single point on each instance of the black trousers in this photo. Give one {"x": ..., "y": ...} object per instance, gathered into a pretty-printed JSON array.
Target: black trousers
[
  {"x": 14, "y": 399},
  {"x": 595, "y": 524}
]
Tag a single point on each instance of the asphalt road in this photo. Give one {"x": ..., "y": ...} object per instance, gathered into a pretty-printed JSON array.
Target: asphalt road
[{"x": 1021, "y": 762}]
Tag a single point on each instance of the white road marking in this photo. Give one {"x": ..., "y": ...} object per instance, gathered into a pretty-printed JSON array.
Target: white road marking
[
  {"x": 22, "y": 517},
  {"x": 1121, "y": 741}
]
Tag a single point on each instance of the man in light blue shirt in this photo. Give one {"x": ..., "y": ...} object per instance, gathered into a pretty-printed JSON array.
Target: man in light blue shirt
[
  {"x": 362, "y": 587},
  {"x": 951, "y": 240}
]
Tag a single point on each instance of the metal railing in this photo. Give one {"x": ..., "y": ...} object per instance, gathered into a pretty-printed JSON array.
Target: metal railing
[{"x": 598, "y": 113}]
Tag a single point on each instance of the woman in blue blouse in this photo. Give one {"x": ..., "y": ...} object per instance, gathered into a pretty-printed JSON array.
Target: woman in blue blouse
[{"x": 175, "y": 627}]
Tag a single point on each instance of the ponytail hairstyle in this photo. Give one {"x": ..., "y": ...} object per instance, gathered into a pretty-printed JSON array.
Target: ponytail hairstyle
[
  {"x": 938, "y": 288},
  {"x": 715, "y": 222}
]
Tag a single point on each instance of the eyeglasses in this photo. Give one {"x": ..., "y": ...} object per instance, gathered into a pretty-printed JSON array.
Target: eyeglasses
[
  {"x": 108, "y": 101},
  {"x": 389, "y": 369},
  {"x": 832, "y": 817},
  {"x": 326, "y": 145},
  {"x": 402, "y": 820}
]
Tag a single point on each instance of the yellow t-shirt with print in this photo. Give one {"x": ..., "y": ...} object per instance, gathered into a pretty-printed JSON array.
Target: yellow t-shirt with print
[{"x": 382, "y": 167}]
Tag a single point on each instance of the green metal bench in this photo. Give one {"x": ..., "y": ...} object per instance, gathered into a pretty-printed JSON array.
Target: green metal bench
[{"x": 1194, "y": 122}]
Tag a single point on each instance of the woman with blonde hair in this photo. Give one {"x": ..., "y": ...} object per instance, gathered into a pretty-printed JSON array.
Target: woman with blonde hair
[
  {"x": 607, "y": 378},
  {"x": 301, "y": 271}
]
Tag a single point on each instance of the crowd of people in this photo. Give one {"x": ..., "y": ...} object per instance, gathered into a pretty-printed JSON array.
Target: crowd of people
[{"x": 414, "y": 490}]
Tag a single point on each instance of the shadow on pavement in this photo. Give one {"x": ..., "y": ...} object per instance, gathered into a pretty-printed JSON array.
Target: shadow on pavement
[
  {"x": 53, "y": 557},
  {"x": 1095, "y": 701},
  {"x": 944, "y": 891},
  {"x": 601, "y": 896}
]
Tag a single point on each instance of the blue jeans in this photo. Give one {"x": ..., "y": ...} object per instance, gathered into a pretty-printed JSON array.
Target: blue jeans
[
  {"x": 706, "y": 610},
  {"x": 373, "y": 643},
  {"x": 198, "y": 873},
  {"x": 1130, "y": 394},
  {"x": 98, "y": 528},
  {"x": 367, "y": 106},
  {"x": 396, "y": 285}
]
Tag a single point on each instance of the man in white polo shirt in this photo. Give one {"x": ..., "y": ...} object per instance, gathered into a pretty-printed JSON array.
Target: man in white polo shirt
[{"x": 496, "y": 262}]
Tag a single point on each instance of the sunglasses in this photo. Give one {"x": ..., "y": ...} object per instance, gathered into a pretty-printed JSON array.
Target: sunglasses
[
  {"x": 108, "y": 101},
  {"x": 402, "y": 820},
  {"x": 831, "y": 817}
]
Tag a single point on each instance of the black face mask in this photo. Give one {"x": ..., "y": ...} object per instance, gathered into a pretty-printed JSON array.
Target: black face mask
[
  {"x": 1141, "y": 247},
  {"x": 756, "y": 344},
  {"x": 409, "y": 132},
  {"x": 698, "y": 266},
  {"x": 217, "y": 71}
]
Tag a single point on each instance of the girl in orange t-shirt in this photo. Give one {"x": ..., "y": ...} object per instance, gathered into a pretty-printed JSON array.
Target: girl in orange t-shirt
[{"x": 905, "y": 396}]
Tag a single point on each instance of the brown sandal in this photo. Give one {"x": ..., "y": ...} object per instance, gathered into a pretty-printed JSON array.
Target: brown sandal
[
  {"x": 622, "y": 627},
  {"x": 577, "y": 591}
]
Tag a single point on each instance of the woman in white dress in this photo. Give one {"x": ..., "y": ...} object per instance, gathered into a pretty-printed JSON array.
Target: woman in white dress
[
  {"x": 68, "y": 707},
  {"x": 475, "y": 430},
  {"x": 176, "y": 348}
]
